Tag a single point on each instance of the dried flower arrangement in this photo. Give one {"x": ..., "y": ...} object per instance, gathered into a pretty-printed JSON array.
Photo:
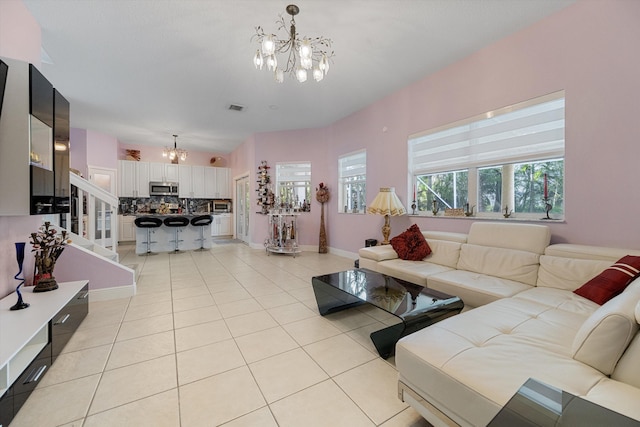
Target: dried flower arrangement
[{"x": 48, "y": 246}]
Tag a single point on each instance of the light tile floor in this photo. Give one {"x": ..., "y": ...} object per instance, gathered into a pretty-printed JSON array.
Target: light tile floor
[{"x": 230, "y": 337}]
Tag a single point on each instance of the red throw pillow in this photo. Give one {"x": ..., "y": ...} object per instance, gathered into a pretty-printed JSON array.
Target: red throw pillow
[
  {"x": 411, "y": 244},
  {"x": 611, "y": 281}
]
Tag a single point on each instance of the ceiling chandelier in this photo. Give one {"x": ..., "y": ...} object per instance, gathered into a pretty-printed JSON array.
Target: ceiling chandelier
[
  {"x": 302, "y": 54},
  {"x": 175, "y": 152}
]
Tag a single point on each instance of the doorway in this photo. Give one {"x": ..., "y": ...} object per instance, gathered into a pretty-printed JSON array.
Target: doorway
[
  {"x": 242, "y": 208},
  {"x": 103, "y": 178}
]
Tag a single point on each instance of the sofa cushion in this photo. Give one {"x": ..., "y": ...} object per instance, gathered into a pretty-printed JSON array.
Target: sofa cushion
[
  {"x": 611, "y": 281},
  {"x": 411, "y": 271},
  {"x": 411, "y": 244},
  {"x": 444, "y": 252},
  {"x": 473, "y": 288},
  {"x": 628, "y": 369},
  {"x": 378, "y": 253},
  {"x": 522, "y": 237},
  {"x": 605, "y": 335},
  {"x": 567, "y": 273},
  {"x": 445, "y": 235},
  {"x": 569, "y": 250},
  {"x": 511, "y": 264}
]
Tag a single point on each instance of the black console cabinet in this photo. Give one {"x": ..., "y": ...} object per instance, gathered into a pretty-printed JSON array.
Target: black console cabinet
[{"x": 57, "y": 331}]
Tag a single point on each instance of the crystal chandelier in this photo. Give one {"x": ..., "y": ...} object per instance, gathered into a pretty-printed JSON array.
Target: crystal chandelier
[
  {"x": 175, "y": 152},
  {"x": 302, "y": 54}
]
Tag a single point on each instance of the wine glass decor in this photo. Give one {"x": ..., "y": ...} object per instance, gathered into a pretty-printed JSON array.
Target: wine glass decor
[{"x": 20, "y": 258}]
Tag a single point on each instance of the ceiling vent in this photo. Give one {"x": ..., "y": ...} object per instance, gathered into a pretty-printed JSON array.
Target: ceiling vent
[{"x": 236, "y": 107}]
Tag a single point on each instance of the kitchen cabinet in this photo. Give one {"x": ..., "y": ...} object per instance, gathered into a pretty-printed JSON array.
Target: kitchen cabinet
[
  {"x": 163, "y": 172},
  {"x": 194, "y": 182},
  {"x": 198, "y": 182},
  {"x": 210, "y": 183},
  {"x": 222, "y": 183},
  {"x": 217, "y": 183},
  {"x": 33, "y": 338},
  {"x": 126, "y": 228},
  {"x": 221, "y": 225},
  {"x": 184, "y": 182},
  {"x": 134, "y": 178}
]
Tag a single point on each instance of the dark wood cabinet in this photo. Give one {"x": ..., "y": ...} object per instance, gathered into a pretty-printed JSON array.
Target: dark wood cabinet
[
  {"x": 65, "y": 323},
  {"x": 58, "y": 328},
  {"x": 61, "y": 189},
  {"x": 34, "y": 144}
]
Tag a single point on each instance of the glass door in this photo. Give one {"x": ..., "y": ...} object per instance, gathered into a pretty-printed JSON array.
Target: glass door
[{"x": 243, "y": 204}]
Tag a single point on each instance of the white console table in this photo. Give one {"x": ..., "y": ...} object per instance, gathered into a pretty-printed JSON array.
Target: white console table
[{"x": 47, "y": 323}]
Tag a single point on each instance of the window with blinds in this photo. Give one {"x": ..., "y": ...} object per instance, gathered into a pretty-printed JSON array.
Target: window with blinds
[
  {"x": 293, "y": 185},
  {"x": 506, "y": 159},
  {"x": 352, "y": 177}
]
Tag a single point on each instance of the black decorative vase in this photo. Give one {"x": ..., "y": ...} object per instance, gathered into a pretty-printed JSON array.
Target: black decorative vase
[{"x": 20, "y": 258}]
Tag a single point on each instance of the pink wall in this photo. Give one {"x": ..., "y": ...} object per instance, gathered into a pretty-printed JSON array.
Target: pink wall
[
  {"x": 76, "y": 264},
  {"x": 154, "y": 154},
  {"x": 293, "y": 146},
  {"x": 78, "y": 151},
  {"x": 20, "y": 35},
  {"x": 102, "y": 150},
  {"x": 587, "y": 49}
]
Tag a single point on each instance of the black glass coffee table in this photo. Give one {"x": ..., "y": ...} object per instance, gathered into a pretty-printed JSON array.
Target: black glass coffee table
[
  {"x": 537, "y": 404},
  {"x": 416, "y": 306}
]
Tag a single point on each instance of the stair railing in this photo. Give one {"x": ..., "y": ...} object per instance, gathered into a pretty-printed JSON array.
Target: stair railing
[{"x": 101, "y": 216}]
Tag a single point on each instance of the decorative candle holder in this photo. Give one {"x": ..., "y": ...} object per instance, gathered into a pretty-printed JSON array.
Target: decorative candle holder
[
  {"x": 20, "y": 258},
  {"x": 547, "y": 207},
  {"x": 467, "y": 211},
  {"x": 435, "y": 209},
  {"x": 413, "y": 207}
]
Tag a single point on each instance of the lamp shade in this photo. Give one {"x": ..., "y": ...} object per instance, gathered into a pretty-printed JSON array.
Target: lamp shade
[{"x": 387, "y": 203}]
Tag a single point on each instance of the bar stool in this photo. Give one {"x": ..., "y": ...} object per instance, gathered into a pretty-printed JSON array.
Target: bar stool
[
  {"x": 201, "y": 221},
  {"x": 176, "y": 222},
  {"x": 148, "y": 222}
]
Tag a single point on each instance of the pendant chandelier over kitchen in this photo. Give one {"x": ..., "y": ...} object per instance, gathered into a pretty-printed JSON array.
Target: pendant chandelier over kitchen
[
  {"x": 301, "y": 54},
  {"x": 175, "y": 152}
]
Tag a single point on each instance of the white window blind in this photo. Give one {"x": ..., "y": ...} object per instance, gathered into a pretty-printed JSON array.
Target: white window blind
[
  {"x": 533, "y": 130},
  {"x": 353, "y": 164},
  {"x": 293, "y": 172}
]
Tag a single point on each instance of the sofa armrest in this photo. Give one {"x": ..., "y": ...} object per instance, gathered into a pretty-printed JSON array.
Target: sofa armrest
[{"x": 378, "y": 253}]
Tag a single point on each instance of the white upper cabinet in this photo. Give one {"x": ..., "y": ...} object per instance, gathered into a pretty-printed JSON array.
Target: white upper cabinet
[
  {"x": 198, "y": 181},
  {"x": 184, "y": 182},
  {"x": 133, "y": 178},
  {"x": 163, "y": 172},
  {"x": 222, "y": 183},
  {"x": 210, "y": 186},
  {"x": 194, "y": 182}
]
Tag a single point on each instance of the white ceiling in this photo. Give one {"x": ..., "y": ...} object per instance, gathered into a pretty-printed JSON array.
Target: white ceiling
[{"x": 142, "y": 70}]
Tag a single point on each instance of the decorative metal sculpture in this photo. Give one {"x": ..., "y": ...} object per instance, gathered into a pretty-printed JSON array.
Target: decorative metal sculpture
[{"x": 20, "y": 258}]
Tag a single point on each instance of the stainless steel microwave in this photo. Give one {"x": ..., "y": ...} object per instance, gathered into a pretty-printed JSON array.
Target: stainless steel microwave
[
  {"x": 163, "y": 188},
  {"x": 221, "y": 206}
]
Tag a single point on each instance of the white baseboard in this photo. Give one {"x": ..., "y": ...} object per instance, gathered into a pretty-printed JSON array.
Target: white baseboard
[{"x": 112, "y": 293}]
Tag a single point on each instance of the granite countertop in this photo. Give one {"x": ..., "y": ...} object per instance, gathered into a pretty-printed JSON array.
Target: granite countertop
[{"x": 169, "y": 214}]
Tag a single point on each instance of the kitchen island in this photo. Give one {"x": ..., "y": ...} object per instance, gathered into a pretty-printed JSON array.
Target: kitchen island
[{"x": 163, "y": 236}]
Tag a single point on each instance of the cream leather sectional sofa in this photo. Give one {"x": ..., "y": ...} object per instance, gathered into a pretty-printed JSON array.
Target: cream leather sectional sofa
[{"x": 521, "y": 320}]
